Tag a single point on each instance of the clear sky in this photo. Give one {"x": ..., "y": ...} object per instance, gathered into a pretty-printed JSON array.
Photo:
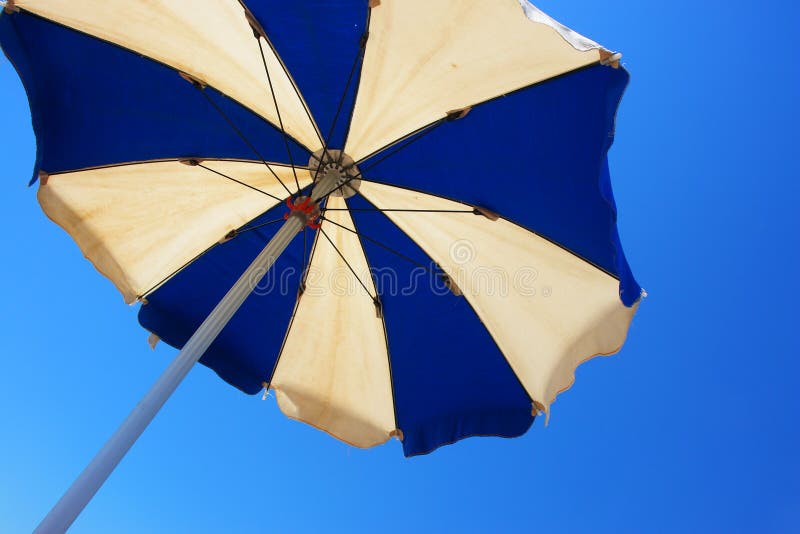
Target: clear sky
[{"x": 693, "y": 427}]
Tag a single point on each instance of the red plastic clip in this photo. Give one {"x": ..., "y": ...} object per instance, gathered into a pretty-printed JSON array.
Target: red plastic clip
[{"x": 307, "y": 207}]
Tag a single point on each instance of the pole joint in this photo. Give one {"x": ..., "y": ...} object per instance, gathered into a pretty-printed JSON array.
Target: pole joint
[{"x": 306, "y": 208}]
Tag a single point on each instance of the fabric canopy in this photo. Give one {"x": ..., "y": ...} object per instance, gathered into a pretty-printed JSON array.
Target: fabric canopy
[{"x": 453, "y": 296}]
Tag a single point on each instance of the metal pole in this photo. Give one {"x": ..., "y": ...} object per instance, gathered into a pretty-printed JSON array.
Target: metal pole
[{"x": 95, "y": 474}]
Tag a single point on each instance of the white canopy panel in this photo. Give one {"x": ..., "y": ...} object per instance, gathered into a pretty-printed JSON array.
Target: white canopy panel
[
  {"x": 138, "y": 223},
  {"x": 426, "y": 58},
  {"x": 333, "y": 371}
]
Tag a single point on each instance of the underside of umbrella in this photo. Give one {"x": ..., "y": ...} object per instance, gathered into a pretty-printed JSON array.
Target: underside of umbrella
[{"x": 468, "y": 259}]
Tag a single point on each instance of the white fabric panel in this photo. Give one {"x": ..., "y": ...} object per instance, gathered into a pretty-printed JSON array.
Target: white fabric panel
[
  {"x": 138, "y": 223},
  {"x": 547, "y": 309},
  {"x": 208, "y": 39},
  {"x": 425, "y": 58},
  {"x": 575, "y": 39},
  {"x": 333, "y": 372}
]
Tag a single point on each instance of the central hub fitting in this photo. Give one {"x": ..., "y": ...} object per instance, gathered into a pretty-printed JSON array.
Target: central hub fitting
[{"x": 339, "y": 166}]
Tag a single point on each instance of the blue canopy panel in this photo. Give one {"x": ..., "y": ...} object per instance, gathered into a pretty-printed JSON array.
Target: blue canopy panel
[
  {"x": 245, "y": 352},
  {"x": 548, "y": 142},
  {"x": 318, "y": 41},
  {"x": 450, "y": 379},
  {"x": 95, "y": 104}
]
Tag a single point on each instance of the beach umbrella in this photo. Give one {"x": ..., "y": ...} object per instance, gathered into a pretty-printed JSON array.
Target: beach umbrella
[{"x": 395, "y": 214}]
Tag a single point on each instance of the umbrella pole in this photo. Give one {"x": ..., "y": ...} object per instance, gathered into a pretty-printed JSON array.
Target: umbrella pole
[{"x": 95, "y": 474}]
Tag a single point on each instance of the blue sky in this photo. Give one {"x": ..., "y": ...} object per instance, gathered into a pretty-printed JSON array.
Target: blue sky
[{"x": 693, "y": 427}]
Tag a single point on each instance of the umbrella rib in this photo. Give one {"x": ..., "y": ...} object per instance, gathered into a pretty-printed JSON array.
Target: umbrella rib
[
  {"x": 176, "y": 271},
  {"x": 410, "y": 138},
  {"x": 381, "y": 210},
  {"x": 300, "y": 291},
  {"x": 379, "y": 310},
  {"x": 363, "y": 47},
  {"x": 378, "y": 243},
  {"x": 165, "y": 160},
  {"x": 500, "y": 215},
  {"x": 306, "y": 265},
  {"x": 240, "y": 182},
  {"x": 278, "y": 111},
  {"x": 374, "y": 298},
  {"x": 256, "y": 227},
  {"x": 230, "y": 235},
  {"x": 413, "y": 136},
  {"x": 242, "y": 136},
  {"x": 260, "y": 30},
  {"x": 305, "y": 246},
  {"x": 359, "y": 55}
]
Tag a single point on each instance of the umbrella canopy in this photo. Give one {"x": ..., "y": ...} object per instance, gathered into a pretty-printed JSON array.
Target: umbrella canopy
[{"x": 468, "y": 260}]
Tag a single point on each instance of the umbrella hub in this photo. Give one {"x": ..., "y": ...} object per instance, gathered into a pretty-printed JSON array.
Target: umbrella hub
[{"x": 338, "y": 166}]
